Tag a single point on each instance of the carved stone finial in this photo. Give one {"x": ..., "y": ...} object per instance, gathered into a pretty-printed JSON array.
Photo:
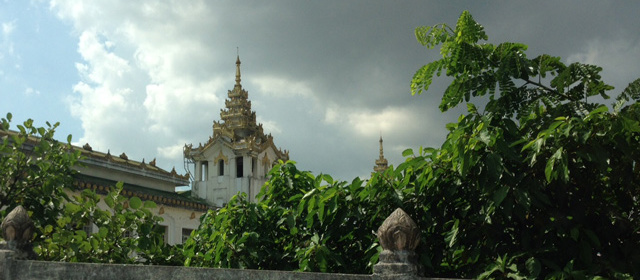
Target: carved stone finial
[
  {"x": 399, "y": 236},
  {"x": 17, "y": 230},
  {"x": 399, "y": 232},
  {"x": 153, "y": 162},
  {"x": 124, "y": 156}
]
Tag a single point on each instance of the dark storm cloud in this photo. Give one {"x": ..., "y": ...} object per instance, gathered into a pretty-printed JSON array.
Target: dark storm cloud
[{"x": 328, "y": 77}]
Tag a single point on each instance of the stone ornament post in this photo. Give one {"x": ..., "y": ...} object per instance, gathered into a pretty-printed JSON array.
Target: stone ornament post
[
  {"x": 17, "y": 230},
  {"x": 399, "y": 236}
]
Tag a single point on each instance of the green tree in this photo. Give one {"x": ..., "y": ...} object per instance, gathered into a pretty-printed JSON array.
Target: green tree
[
  {"x": 543, "y": 181},
  {"x": 34, "y": 170}
]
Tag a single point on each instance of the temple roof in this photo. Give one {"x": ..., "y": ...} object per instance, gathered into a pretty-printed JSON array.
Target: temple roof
[
  {"x": 121, "y": 162},
  {"x": 238, "y": 128},
  {"x": 116, "y": 165}
]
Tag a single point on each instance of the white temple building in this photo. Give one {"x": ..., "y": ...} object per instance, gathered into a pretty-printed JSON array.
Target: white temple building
[{"x": 238, "y": 157}]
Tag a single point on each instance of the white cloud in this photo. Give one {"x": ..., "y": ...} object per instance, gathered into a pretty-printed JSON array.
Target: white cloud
[
  {"x": 8, "y": 28},
  {"x": 173, "y": 151},
  {"x": 143, "y": 70},
  {"x": 30, "y": 92},
  {"x": 615, "y": 57},
  {"x": 104, "y": 66},
  {"x": 6, "y": 45},
  {"x": 369, "y": 123},
  {"x": 281, "y": 87},
  {"x": 270, "y": 126}
]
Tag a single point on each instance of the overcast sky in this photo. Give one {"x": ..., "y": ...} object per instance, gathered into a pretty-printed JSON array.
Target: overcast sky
[{"x": 325, "y": 78}]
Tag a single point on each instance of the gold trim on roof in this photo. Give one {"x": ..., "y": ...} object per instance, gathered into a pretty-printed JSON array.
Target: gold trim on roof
[
  {"x": 266, "y": 161},
  {"x": 221, "y": 157}
]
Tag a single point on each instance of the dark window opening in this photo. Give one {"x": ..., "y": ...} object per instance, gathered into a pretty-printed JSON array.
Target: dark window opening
[
  {"x": 254, "y": 163},
  {"x": 165, "y": 233},
  {"x": 221, "y": 167},
  {"x": 239, "y": 167},
  {"x": 186, "y": 233}
]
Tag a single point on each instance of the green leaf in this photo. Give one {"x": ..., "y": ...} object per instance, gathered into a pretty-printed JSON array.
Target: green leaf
[
  {"x": 72, "y": 208},
  {"x": 102, "y": 232},
  {"x": 471, "y": 108},
  {"x": 575, "y": 233},
  {"x": 135, "y": 202},
  {"x": 109, "y": 201},
  {"x": 452, "y": 234},
  {"x": 150, "y": 204},
  {"x": 311, "y": 205},
  {"x": 599, "y": 110},
  {"x": 407, "y": 153},
  {"x": 500, "y": 195},
  {"x": 549, "y": 171}
]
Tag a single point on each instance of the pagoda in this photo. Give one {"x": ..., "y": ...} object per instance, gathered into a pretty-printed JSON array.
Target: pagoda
[
  {"x": 239, "y": 153},
  {"x": 381, "y": 162}
]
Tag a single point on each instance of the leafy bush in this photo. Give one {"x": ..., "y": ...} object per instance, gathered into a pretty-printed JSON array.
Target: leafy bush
[
  {"x": 302, "y": 222},
  {"x": 34, "y": 170},
  {"x": 128, "y": 232}
]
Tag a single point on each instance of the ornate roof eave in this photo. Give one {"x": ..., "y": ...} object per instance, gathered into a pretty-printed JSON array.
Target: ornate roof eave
[
  {"x": 193, "y": 152},
  {"x": 159, "y": 197},
  {"x": 280, "y": 154},
  {"x": 92, "y": 156},
  {"x": 132, "y": 166}
]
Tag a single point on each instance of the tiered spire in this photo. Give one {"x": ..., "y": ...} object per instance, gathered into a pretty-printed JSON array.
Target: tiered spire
[
  {"x": 381, "y": 163},
  {"x": 237, "y": 129},
  {"x": 238, "y": 121},
  {"x": 238, "y": 72}
]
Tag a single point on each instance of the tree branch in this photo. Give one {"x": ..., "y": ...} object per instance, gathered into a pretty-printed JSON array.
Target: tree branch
[{"x": 546, "y": 88}]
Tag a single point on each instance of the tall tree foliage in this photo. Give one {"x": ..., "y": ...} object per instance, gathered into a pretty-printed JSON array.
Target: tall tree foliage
[
  {"x": 540, "y": 182},
  {"x": 543, "y": 181}
]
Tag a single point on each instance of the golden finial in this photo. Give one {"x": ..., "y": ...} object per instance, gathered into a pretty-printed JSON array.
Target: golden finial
[
  {"x": 238, "y": 68},
  {"x": 381, "y": 151}
]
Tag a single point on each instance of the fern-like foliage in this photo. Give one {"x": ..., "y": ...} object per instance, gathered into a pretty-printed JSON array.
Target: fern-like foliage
[
  {"x": 630, "y": 93},
  {"x": 515, "y": 84},
  {"x": 545, "y": 177}
]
